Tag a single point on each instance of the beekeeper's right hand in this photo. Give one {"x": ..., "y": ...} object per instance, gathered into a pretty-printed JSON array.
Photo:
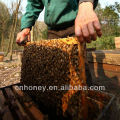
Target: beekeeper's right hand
[{"x": 23, "y": 37}]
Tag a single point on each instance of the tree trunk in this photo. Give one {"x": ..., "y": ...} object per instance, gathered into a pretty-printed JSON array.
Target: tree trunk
[
  {"x": 14, "y": 29},
  {"x": 2, "y": 41},
  {"x": 10, "y": 36}
]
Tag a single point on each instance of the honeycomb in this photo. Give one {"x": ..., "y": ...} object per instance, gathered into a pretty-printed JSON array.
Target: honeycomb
[{"x": 54, "y": 63}]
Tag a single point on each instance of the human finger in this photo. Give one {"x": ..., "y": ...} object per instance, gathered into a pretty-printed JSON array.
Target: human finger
[
  {"x": 97, "y": 27},
  {"x": 92, "y": 31},
  {"x": 85, "y": 33}
]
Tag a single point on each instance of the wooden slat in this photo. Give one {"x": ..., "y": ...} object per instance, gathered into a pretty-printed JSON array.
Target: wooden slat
[
  {"x": 7, "y": 114},
  {"x": 106, "y": 67},
  {"x": 99, "y": 96},
  {"x": 29, "y": 105},
  {"x": 69, "y": 40},
  {"x": 117, "y": 42},
  {"x": 104, "y": 56},
  {"x": 98, "y": 103},
  {"x": 81, "y": 54},
  {"x": 16, "y": 105}
]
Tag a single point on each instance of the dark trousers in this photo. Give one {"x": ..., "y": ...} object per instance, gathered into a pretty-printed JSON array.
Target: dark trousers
[{"x": 55, "y": 34}]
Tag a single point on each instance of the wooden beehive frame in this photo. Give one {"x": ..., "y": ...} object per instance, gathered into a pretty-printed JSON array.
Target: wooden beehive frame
[{"x": 70, "y": 42}]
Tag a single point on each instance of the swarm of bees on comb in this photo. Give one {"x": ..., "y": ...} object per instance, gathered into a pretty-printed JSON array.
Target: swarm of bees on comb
[{"x": 54, "y": 63}]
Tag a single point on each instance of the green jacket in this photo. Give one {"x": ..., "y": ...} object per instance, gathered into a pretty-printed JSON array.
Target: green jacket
[{"x": 58, "y": 13}]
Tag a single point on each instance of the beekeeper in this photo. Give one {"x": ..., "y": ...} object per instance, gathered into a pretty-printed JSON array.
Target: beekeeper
[{"x": 63, "y": 18}]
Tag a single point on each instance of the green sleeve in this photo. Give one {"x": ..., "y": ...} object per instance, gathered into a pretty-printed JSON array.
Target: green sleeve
[
  {"x": 95, "y": 2},
  {"x": 33, "y": 9}
]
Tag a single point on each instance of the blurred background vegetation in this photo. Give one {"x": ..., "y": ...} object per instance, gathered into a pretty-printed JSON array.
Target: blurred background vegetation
[
  {"x": 10, "y": 25},
  {"x": 110, "y": 21}
]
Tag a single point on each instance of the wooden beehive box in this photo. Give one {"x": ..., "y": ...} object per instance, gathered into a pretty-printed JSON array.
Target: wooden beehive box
[
  {"x": 1, "y": 56},
  {"x": 54, "y": 64},
  {"x": 117, "y": 42}
]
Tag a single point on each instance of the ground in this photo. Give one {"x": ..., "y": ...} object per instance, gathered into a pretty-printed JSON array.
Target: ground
[{"x": 9, "y": 72}]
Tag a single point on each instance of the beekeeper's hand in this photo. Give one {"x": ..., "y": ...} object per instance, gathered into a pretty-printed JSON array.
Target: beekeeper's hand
[
  {"x": 23, "y": 37},
  {"x": 87, "y": 25}
]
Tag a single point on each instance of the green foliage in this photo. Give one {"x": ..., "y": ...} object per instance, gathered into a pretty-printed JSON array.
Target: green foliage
[
  {"x": 109, "y": 19},
  {"x": 110, "y": 12},
  {"x": 117, "y": 7},
  {"x": 103, "y": 43},
  {"x": 7, "y": 18},
  {"x": 4, "y": 19}
]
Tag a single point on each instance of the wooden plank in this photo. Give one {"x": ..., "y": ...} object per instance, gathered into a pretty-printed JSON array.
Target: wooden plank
[
  {"x": 81, "y": 54},
  {"x": 69, "y": 40},
  {"x": 15, "y": 105},
  {"x": 117, "y": 42},
  {"x": 99, "y": 104},
  {"x": 106, "y": 67},
  {"x": 1, "y": 58},
  {"x": 104, "y": 56},
  {"x": 31, "y": 108},
  {"x": 5, "y": 113},
  {"x": 99, "y": 96}
]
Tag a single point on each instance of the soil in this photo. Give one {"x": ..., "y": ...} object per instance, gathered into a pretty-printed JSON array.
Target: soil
[{"x": 9, "y": 72}]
